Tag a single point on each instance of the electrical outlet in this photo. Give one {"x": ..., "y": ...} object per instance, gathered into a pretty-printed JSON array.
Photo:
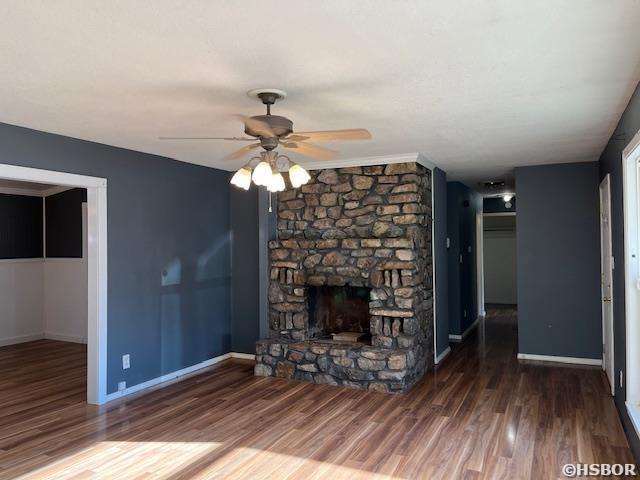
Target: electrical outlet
[
  {"x": 126, "y": 362},
  {"x": 621, "y": 378},
  {"x": 122, "y": 386}
]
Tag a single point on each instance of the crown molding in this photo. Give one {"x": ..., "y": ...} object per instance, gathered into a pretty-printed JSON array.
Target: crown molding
[
  {"x": 370, "y": 161},
  {"x": 425, "y": 162}
]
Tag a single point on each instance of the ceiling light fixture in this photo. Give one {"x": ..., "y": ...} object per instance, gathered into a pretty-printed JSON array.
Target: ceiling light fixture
[
  {"x": 262, "y": 173},
  {"x": 267, "y": 170},
  {"x": 242, "y": 178},
  {"x": 298, "y": 175},
  {"x": 507, "y": 197},
  {"x": 276, "y": 184}
]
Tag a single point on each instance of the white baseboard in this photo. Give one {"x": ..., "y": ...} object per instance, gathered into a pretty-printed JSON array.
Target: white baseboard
[
  {"x": 244, "y": 356},
  {"x": 64, "y": 338},
  {"x": 442, "y": 356},
  {"x": 20, "y": 339},
  {"x": 553, "y": 358},
  {"x": 459, "y": 338},
  {"x": 178, "y": 373}
]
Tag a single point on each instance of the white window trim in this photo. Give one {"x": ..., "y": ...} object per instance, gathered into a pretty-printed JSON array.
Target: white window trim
[
  {"x": 97, "y": 266},
  {"x": 630, "y": 159}
]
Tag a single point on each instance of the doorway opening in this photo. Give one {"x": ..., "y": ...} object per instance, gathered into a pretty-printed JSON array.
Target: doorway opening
[
  {"x": 500, "y": 272},
  {"x": 500, "y": 259},
  {"x": 95, "y": 302}
]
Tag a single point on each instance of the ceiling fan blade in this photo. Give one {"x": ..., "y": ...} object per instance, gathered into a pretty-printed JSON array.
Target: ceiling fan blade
[
  {"x": 331, "y": 135},
  {"x": 310, "y": 150},
  {"x": 237, "y": 139},
  {"x": 241, "y": 152},
  {"x": 261, "y": 128}
]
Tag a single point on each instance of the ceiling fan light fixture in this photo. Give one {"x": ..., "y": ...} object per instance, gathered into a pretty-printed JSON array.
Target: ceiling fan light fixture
[
  {"x": 262, "y": 174},
  {"x": 242, "y": 178},
  {"x": 276, "y": 184},
  {"x": 298, "y": 175}
]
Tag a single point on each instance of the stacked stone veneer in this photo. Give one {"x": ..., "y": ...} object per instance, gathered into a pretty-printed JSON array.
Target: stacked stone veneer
[{"x": 359, "y": 226}]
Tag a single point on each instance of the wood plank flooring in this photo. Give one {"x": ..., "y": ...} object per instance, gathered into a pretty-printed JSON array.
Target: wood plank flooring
[{"x": 481, "y": 414}]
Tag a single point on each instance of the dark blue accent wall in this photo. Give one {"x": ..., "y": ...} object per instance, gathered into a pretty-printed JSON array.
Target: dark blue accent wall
[
  {"x": 558, "y": 241},
  {"x": 245, "y": 326},
  {"x": 462, "y": 206},
  {"x": 497, "y": 205},
  {"x": 611, "y": 163},
  {"x": 63, "y": 221},
  {"x": 440, "y": 257},
  {"x": 169, "y": 258},
  {"x": 20, "y": 226}
]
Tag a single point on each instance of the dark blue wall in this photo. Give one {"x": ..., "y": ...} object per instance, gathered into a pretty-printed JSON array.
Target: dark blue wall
[
  {"x": 168, "y": 250},
  {"x": 558, "y": 240},
  {"x": 63, "y": 223},
  {"x": 462, "y": 206},
  {"x": 611, "y": 163},
  {"x": 245, "y": 326},
  {"x": 496, "y": 205},
  {"x": 20, "y": 226},
  {"x": 440, "y": 257}
]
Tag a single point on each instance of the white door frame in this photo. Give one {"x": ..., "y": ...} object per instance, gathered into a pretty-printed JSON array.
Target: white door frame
[
  {"x": 606, "y": 274},
  {"x": 631, "y": 195},
  {"x": 480, "y": 263},
  {"x": 96, "y": 269}
]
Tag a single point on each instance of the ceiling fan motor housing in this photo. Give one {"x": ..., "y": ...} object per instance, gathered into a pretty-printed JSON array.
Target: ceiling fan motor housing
[
  {"x": 269, "y": 143},
  {"x": 281, "y": 126}
]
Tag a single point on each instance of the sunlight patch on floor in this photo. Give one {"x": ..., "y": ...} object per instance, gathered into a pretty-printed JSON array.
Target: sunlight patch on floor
[
  {"x": 197, "y": 460},
  {"x": 116, "y": 459}
]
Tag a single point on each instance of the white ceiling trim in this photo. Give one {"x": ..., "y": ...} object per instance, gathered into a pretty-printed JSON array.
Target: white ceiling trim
[{"x": 371, "y": 161}]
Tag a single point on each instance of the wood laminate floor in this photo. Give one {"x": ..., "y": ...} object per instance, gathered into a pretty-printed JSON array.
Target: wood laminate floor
[{"x": 481, "y": 414}]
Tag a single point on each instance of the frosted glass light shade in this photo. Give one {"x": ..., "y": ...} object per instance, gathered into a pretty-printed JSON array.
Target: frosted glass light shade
[
  {"x": 242, "y": 178},
  {"x": 298, "y": 176},
  {"x": 262, "y": 174},
  {"x": 276, "y": 184}
]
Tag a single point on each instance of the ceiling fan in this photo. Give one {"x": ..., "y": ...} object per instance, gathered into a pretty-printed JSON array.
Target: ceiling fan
[{"x": 272, "y": 131}]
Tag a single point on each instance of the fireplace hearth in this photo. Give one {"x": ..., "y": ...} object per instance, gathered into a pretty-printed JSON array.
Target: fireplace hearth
[{"x": 353, "y": 255}]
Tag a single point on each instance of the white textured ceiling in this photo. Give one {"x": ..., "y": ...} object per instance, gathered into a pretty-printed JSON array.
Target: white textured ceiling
[{"x": 477, "y": 87}]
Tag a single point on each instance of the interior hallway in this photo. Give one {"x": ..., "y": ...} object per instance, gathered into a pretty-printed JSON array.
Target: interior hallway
[{"x": 481, "y": 414}]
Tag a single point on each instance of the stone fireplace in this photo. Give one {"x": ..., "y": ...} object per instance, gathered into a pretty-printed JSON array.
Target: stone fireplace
[{"x": 353, "y": 255}]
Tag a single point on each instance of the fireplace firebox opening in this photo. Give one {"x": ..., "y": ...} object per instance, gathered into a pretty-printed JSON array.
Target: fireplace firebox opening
[{"x": 341, "y": 313}]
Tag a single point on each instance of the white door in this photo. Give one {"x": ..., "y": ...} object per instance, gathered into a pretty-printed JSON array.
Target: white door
[{"x": 606, "y": 280}]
